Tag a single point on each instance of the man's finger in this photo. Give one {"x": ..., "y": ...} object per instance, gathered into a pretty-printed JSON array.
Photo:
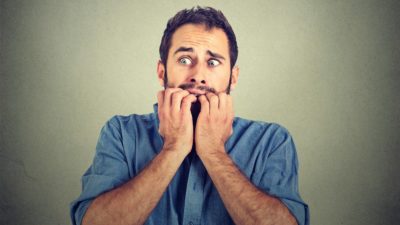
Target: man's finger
[
  {"x": 167, "y": 97},
  {"x": 176, "y": 99},
  {"x": 205, "y": 105},
  {"x": 230, "y": 105},
  {"x": 214, "y": 102},
  {"x": 160, "y": 99},
  {"x": 187, "y": 102},
  {"x": 222, "y": 101}
]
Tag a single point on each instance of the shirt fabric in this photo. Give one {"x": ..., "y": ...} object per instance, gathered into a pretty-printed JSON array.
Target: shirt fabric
[{"x": 264, "y": 152}]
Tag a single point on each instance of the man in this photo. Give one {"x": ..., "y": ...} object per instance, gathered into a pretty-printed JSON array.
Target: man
[{"x": 192, "y": 161}]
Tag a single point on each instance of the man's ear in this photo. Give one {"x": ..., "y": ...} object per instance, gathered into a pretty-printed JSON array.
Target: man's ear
[
  {"x": 235, "y": 75},
  {"x": 160, "y": 72}
]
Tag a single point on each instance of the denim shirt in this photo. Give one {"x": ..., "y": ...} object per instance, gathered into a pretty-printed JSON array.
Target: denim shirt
[{"x": 264, "y": 152}]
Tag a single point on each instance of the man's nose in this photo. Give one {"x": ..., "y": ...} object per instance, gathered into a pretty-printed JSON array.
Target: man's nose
[
  {"x": 199, "y": 76},
  {"x": 198, "y": 81}
]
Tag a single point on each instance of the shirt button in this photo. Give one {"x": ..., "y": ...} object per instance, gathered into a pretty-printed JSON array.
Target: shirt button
[{"x": 190, "y": 223}]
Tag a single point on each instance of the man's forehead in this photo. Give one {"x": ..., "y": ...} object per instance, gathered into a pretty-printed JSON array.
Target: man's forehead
[
  {"x": 199, "y": 38},
  {"x": 190, "y": 49}
]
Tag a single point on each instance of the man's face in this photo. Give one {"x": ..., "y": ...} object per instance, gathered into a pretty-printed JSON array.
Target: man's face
[{"x": 198, "y": 61}]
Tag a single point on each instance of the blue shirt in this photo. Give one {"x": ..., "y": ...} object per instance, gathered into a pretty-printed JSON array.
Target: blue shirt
[{"x": 264, "y": 152}]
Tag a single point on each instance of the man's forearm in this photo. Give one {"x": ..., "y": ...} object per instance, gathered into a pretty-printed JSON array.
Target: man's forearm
[
  {"x": 133, "y": 202},
  {"x": 245, "y": 202}
]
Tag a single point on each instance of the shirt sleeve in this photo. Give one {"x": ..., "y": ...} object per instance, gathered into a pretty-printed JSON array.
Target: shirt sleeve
[
  {"x": 280, "y": 177},
  {"x": 108, "y": 170}
]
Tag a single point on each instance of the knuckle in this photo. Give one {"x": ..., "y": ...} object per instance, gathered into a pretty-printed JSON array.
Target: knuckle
[
  {"x": 176, "y": 96},
  {"x": 184, "y": 92},
  {"x": 186, "y": 100},
  {"x": 169, "y": 91}
]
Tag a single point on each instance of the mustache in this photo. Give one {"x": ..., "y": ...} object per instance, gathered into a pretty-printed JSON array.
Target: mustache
[{"x": 201, "y": 88}]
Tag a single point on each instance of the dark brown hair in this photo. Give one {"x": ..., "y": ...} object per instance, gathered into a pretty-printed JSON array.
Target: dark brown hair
[{"x": 207, "y": 16}]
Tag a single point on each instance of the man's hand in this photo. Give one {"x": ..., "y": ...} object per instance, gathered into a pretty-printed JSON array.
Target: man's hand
[
  {"x": 214, "y": 124},
  {"x": 176, "y": 126},
  {"x": 140, "y": 194},
  {"x": 245, "y": 203}
]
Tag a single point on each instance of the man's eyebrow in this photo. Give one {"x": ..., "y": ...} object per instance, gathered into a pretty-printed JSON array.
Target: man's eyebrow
[
  {"x": 189, "y": 49},
  {"x": 183, "y": 49},
  {"x": 215, "y": 55}
]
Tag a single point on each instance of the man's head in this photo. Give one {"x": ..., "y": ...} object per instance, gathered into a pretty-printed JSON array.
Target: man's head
[{"x": 198, "y": 52}]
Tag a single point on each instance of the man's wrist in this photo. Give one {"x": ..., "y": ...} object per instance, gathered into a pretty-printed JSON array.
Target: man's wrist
[
  {"x": 175, "y": 150},
  {"x": 212, "y": 153}
]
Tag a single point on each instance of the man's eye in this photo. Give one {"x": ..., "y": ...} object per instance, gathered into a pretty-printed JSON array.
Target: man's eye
[
  {"x": 185, "y": 61},
  {"x": 213, "y": 62}
]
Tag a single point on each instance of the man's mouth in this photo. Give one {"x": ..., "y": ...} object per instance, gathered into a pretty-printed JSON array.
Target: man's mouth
[{"x": 196, "y": 91}]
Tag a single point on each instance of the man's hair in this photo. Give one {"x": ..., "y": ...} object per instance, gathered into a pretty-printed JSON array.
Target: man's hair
[{"x": 207, "y": 16}]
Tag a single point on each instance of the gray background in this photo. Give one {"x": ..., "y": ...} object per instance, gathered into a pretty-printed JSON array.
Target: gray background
[{"x": 326, "y": 70}]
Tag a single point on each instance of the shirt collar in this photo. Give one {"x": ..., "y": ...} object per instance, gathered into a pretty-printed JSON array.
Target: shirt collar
[{"x": 155, "y": 109}]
